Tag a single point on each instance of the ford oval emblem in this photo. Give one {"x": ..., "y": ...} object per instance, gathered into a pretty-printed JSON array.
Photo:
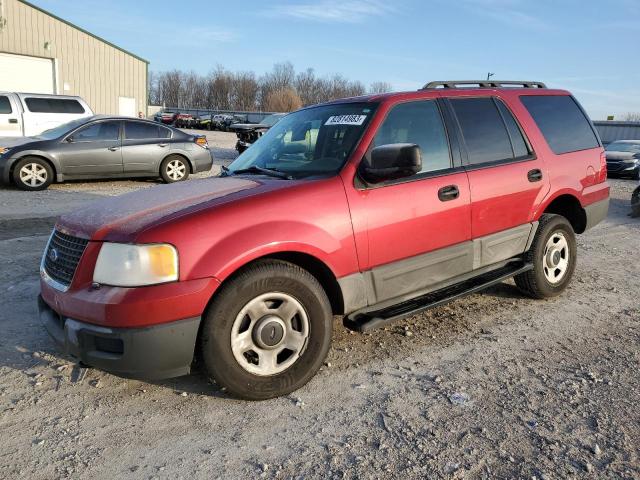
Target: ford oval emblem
[{"x": 53, "y": 254}]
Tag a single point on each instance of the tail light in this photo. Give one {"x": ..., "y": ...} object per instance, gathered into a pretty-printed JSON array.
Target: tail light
[
  {"x": 602, "y": 175},
  {"x": 202, "y": 141}
]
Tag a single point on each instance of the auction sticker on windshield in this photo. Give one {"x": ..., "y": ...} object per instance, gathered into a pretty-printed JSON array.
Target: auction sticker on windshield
[{"x": 346, "y": 120}]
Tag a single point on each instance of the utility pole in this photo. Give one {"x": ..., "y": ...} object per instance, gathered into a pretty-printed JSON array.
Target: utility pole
[{"x": 489, "y": 75}]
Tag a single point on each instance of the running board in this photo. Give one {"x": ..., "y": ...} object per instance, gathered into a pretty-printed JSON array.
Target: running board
[{"x": 364, "y": 321}]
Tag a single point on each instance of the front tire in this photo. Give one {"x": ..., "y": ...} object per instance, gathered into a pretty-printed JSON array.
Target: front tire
[
  {"x": 32, "y": 174},
  {"x": 267, "y": 331},
  {"x": 174, "y": 168},
  {"x": 553, "y": 255}
]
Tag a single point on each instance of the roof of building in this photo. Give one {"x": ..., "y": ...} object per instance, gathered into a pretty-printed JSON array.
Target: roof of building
[{"x": 83, "y": 30}]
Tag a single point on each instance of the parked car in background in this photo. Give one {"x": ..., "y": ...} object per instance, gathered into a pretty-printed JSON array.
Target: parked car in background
[
  {"x": 228, "y": 120},
  {"x": 26, "y": 114},
  {"x": 168, "y": 118},
  {"x": 102, "y": 147},
  {"x": 184, "y": 120},
  {"x": 623, "y": 158},
  {"x": 248, "y": 133},
  {"x": 397, "y": 203}
]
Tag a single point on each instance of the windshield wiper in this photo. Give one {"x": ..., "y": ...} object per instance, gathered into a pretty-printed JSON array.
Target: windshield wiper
[{"x": 265, "y": 171}]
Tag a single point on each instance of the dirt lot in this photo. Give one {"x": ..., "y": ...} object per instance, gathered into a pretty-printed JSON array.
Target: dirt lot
[{"x": 491, "y": 386}]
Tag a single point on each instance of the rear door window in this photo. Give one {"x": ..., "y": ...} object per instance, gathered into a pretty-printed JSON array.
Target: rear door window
[
  {"x": 5, "y": 105},
  {"x": 562, "y": 122},
  {"x": 419, "y": 123},
  {"x": 53, "y": 105},
  {"x": 143, "y": 131},
  {"x": 484, "y": 132}
]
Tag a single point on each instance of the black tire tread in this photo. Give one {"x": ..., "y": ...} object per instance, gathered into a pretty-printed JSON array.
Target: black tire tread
[
  {"x": 263, "y": 270},
  {"x": 528, "y": 282}
]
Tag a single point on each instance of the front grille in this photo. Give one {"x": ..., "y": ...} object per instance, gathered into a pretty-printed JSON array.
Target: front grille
[
  {"x": 615, "y": 167},
  {"x": 62, "y": 256}
]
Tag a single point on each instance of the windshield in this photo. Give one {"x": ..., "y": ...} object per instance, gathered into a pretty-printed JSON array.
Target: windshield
[
  {"x": 313, "y": 141},
  {"x": 271, "y": 120},
  {"x": 61, "y": 130},
  {"x": 623, "y": 147}
]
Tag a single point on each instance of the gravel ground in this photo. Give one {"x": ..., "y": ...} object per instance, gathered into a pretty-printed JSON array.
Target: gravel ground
[{"x": 491, "y": 386}]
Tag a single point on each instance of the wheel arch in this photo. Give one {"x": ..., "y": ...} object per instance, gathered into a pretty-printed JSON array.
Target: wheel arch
[
  {"x": 50, "y": 162},
  {"x": 568, "y": 206},
  {"x": 312, "y": 264}
]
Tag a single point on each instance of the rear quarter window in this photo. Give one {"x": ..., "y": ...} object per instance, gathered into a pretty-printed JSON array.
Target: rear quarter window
[
  {"x": 53, "y": 105},
  {"x": 562, "y": 122}
]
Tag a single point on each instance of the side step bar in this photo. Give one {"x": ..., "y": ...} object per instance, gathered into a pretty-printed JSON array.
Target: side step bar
[{"x": 364, "y": 321}]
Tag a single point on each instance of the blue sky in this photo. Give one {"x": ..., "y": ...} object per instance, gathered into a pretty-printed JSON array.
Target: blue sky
[{"x": 590, "y": 47}]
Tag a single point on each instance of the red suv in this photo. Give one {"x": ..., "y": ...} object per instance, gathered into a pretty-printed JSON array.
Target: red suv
[{"x": 373, "y": 208}]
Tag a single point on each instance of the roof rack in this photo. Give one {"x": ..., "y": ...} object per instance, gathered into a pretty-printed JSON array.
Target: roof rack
[{"x": 483, "y": 84}]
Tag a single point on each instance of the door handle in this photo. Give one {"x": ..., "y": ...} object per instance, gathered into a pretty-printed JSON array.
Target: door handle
[
  {"x": 113, "y": 149},
  {"x": 13, "y": 120},
  {"x": 450, "y": 192},
  {"x": 162, "y": 145},
  {"x": 534, "y": 175}
]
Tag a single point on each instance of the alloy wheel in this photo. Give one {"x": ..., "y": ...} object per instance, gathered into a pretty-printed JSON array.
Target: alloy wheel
[
  {"x": 33, "y": 174},
  {"x": 176, "y": 170}
]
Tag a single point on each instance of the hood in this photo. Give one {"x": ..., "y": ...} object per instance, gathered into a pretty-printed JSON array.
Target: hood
[
  {"x": 121, "y": 218},
  {"x": 249, "y": 126},
  {"x": 10, "y": 142},
  {"x": 612, "y": 155}
]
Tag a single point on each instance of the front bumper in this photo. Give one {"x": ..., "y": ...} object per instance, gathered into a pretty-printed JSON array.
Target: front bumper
[
  {"x": 622, "y": 168},
  {"x": 154, "y": 352}
]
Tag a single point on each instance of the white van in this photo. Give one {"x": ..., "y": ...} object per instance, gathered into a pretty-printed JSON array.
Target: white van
[{"x": 29, "y": 114}]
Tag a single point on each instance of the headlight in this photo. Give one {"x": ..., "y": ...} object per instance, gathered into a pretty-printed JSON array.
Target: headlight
[
  {"x": 124, "y": 265},
  {"x": 4, "y": 150}
]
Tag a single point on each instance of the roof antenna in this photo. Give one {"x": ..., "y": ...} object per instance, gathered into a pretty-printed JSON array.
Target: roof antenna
[{"x": 489, "y": 75}]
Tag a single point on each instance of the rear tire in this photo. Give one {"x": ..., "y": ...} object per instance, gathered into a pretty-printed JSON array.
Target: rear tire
[
  {"x": 32, "y": 174},
  {"x": 174, "y": 168},
  {"x": 267, "y": 331},
  {"x": 553, "y": 254}
]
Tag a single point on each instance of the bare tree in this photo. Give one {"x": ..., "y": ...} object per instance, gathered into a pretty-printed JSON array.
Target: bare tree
[
  {"x": 632, "y": 117},
  {"x": 380, "y": 87},
  {"x": 224, "y": 90},
  {"x": 282, "y": 100},
  {"x": 245, "y": 91}
]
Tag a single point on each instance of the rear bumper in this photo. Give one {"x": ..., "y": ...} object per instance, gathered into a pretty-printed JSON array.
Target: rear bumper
[
  {"x": 596, "y": 212},
  {"x": 203, "y": 161},
  {"x": 155, "y": 352}
]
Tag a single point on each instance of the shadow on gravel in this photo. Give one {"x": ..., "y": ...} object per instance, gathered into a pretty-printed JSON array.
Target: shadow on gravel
[{"x": 23, "y": 227}]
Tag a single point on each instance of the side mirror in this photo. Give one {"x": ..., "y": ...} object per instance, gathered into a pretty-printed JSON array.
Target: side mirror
[
  {"x": 389, "y": 162},
  {"x": 70, "y": 140}
]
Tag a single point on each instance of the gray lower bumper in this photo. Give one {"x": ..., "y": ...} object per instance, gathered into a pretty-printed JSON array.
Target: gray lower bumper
[
  {"x": 596, "y": 212},
  {"x": 160, "y": 351}
]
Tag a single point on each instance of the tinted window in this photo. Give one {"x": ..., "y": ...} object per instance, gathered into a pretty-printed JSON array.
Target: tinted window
[
  {"x": 419, "y": 123},
  {"x": 102, "y": 131},
  {"x": 483, "y": 130},
  {"x": 140, "y": 131},
  {"x": 561, "y": 121},
  {"x": 5, "y": 106},
  {"x": 53, "y": 105},
  {"x": 520, "y": 148}
]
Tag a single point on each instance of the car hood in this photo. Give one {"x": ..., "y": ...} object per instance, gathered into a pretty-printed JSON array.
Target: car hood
[
  {"x": 10, "y": 142},
  {"x": 618, "y": 156},
  {"x": 123, "y": 217},
  {"x": 249, "y": 126}
]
